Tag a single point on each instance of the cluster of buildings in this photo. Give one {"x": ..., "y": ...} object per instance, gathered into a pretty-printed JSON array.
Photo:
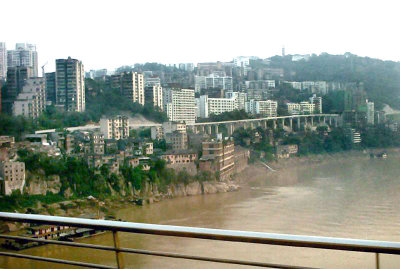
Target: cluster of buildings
[
  {"x": 27, "y": 94},
  {"x": 100, "y": 147},
  {"x": 313, "y": 106}
]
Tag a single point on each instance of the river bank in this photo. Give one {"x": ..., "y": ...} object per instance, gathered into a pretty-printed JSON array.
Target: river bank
[{"x": 253, "y": 175}]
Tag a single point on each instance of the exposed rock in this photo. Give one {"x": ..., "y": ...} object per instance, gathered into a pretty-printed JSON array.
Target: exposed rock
[
  {"x": 193, "y": 188},
  {"x": 42, "y": 185},
  {"x": 68, "y": 193}
]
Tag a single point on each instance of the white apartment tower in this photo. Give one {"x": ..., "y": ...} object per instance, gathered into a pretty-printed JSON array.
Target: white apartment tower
[
  {"x": 180, "y": 105},
  {"x": 70, "y": 85},
  {"x": 317, "y": 101},
  {"x": 115, "y": 128},
  {"x": 266, "y": 108},
  {"x": 23, "y": 55},
  {"x": 216, "y": 106},
  {"x": 3, "y": 61},
  {"x": 241, "y": 98}
]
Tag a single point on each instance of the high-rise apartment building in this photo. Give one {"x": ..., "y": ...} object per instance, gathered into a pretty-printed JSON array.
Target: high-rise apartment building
[
  {"x": 16, "y": 78},
  {"x": 208, "y": 106},
  {"x": 115, "y": 128},
  {"x": 132, "y": 86},
  {"x": 24, "y": 55},
  {"x": 152, "y": 81},
  {"x": 317, "y": 101},
  {"x": 154, "y": 95},
  {"x": 267, "y": 108},
  {"x": 241, "y": 98},
  {"x": 3, "y": 61},
  {"x": 216, "y": 80},
  {"x": 51, "y": 87},
  {"x": 31, "y": 102},
  {"x": 180, "y": 105},
  {"x": 70, "y": 84}
]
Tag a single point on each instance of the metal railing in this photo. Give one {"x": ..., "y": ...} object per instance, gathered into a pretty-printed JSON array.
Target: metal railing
[{"x": 377, "y": 247}]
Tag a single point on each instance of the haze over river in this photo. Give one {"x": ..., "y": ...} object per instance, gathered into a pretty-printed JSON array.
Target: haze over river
[{"x": 344, "y": 198}]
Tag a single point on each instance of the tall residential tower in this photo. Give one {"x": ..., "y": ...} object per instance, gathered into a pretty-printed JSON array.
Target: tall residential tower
[
  {"x": 3, "y": 61},
  {"x": 70, "y": 84},
  {"x": 24, "y": 55}
]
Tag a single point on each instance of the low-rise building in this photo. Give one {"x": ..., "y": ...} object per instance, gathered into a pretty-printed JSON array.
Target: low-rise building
[
  {"x": 177, "y": 140},
  {"x": 7, "y": 141},
  {"x": 12, "y": 176},
  {"x": 146, "y": 147},
  {"x": 179, "y": 157},
  {"x": 115, "y": 128},
  {"x": 157, "y": 132},
  {"x": 285, "y": 151}
]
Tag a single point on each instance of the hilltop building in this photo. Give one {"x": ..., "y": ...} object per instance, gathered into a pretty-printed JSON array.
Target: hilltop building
[
  {"x": 267, "y": 108},
  {"x": 180, "y": 104},
  {"x": 31, "y": 102},
  {"x": 153, "y": 95},
  {"x": 24, "y": 55},
  {"x": 3, "y": 61},
  {"x": 208, "y": 106},
  {"x": 70, "y": 85}
]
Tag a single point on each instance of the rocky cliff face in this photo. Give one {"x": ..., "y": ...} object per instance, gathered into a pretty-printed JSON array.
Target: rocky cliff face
[{"x": 40, "y": 184}]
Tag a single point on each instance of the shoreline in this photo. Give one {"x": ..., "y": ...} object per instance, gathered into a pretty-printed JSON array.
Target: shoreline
[{"x": 253, "y": 174}]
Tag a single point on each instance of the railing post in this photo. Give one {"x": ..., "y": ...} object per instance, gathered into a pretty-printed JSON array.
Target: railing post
[
  {"x": 118, "y": 254},
  {"x": 377, "y": 260}
]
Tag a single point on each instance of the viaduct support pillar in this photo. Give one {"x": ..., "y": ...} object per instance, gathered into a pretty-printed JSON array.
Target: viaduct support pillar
[{"x": 209, "y": 131}]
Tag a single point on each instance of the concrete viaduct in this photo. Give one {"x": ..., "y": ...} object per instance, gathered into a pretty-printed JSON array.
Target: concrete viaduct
[{"x": 270, "y": 122}]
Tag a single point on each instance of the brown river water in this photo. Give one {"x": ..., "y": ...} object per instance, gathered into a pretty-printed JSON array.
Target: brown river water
[{"x": 345, "y": 198}]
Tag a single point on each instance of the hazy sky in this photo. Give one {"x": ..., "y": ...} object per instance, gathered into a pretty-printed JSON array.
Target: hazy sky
[{"x": 108, "y": 34}]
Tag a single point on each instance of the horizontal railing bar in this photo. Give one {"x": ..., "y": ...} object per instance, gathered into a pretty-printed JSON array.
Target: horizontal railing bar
[
  {"x": 213, "y": 234},
  {"x": 210, "y": 259},
  {"x": 55, "y": 242},
  {"x": 52, "y": 260},
  {"x": 155, "y": 253}
]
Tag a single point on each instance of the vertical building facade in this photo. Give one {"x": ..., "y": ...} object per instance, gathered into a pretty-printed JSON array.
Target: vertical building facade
[
  {"x": 132, "y": 86},
  {"x": 208, "y": 106},
  {"x": 115, "y": 128},
  {"x": 12, "y": 177},
  {"x": 16, "y": 78},
  {"x": 317, "y": 101},
  {"x": 51, "y": 87},
  {"x": 70, "y": 84},
  {"x": 24, "y": 55},
  {"x": 180, "y": 105},
  {"x": 154, "y": 95},
  {"x": 3, "y": 61},
  {"x": 31, "y": 102}
]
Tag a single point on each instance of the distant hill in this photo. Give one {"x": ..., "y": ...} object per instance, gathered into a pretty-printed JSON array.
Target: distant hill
[{"x": 381, "y": 78}]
